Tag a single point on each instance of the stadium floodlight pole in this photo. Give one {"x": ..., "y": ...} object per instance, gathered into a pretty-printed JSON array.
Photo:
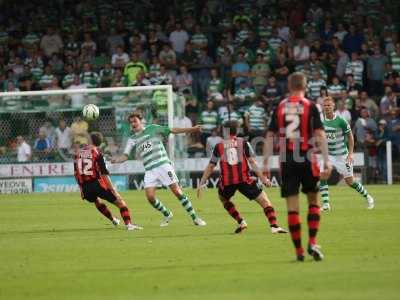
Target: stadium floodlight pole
[{"x": 389, "y": 162}]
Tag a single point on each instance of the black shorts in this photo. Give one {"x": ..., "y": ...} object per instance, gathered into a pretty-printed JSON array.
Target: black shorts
[
  {"x": 93, "y": 190},
  {"x": 250, "y": 190},
  {"x": 294, "y": 174}
]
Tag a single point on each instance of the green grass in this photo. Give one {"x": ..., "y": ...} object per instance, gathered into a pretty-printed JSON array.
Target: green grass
[{"x": 54, "y": 246}]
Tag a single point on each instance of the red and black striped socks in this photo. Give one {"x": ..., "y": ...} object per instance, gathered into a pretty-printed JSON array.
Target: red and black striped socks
[
  {"x": 125, "y": 215},
  {"x": 230, "y": 208},
  {"x": 103, "y": 209},
  {"x": 295, "y": 231},
  {"x": 313, "y": 219},
  {"x": 271, "y": 216}
]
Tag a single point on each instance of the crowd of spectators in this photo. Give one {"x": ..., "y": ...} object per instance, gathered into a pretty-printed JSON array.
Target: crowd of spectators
[{"x": 228, "y": 59}]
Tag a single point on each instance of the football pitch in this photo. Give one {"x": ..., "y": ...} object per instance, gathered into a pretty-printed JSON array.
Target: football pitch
[{"x": 55, "y": 246}]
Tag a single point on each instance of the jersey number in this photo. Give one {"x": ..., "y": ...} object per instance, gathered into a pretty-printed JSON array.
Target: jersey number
[
  {"x": 85, "y": 166},
  {"x": 292, "y": 128},
  {"x": 232, "y": 156}
]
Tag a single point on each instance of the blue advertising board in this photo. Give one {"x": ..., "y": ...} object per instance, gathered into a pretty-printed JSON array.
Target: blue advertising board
[{"x": 68, "y": 184}]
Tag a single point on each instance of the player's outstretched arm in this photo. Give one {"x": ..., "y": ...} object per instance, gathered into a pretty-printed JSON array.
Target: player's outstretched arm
[
  {"x": 119, "y": 159},
  {"x": 206, "y": 174},
  {"x": 194, "y": 129}
]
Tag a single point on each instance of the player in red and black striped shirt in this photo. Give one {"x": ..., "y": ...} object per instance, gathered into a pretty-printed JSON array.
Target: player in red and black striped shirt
[
  {"x": 297, "y": 124},
  {"x": 92, "y": 176},
  {"x": 235, "y": 157}
]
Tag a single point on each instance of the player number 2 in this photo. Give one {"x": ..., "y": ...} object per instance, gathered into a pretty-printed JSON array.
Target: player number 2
[
  {"x": 292, "y": 128},
  {"x": 85, "y": 166},
  {"x": 232, "y": 156}
]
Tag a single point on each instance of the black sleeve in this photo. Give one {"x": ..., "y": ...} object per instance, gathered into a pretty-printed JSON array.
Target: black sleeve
[
  {"x": 215, "y": 155},
  {"x": 316, "y": 122},
  {"x": 248, "y": 150},
  {"x": 102, "y": 165},
  {"x": 273, "y": 123}
]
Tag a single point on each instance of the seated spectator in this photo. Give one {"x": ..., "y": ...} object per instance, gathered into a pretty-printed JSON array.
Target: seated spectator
[
  {"x": 195, "y": 147},
  {"x": 106, "y": 75},
  {"x": 55, "y": 101},
  {"x": 167, "y": 57},
  {"x": 388, "y": 102},
  {"x": 256, "y": 119},
  {"x": 69, "y": 75},
  {"x": 215, "y": 86},
  {"x": 120, "y": 58},
  {"x": 51, "y": 42},
  {"x": 367, "y": 102},
  {"x": 63, "y": 137},
  {"x": 42, "y": 146},
  {"x": 184, "y": 79},
  {"x": 355, "y": 67},
  {"x": 208, "y": 120},
  {"x": 24, "y": 152},
  {"x": 212, "y": 141},
  {"x": 89, "y": 77},
  {"x": 133, "y": 67},
  {"x": 199, "y": 39},
  {"x": 77, "y": 99},
  {"x": 364, "y": 123},
  {"x": 314, "y": 85},
  {"x": 260, "y": 72},
  {"x": 301, "y": 52},
  {"x": 271, "y": 94},
  {"x": 244, "y": 95},
  {"x": 342, "y": 111},
  {"x": 47, "y": 78},
  {"x": 88, "y": 46},
  {"x": 240, "y": 70},
  {"x": 189, "y": 57},
  {"x": 56, "y": 64},
  {"x": 163, "y": 77},
  {"x": 336, "y": 89},
  {"x": 79, "y": 129},
  {"x": 178, "y": 38}
]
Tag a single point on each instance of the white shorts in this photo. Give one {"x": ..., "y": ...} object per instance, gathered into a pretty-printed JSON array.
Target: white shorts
[
  {"x": 342, "y": 167},
  {"x": 163, "y": 175}
]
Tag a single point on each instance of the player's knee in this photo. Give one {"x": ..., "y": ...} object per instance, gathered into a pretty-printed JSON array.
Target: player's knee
[
  {"x": 151, "y": 198},
  {"x": 349, "y": 181}
]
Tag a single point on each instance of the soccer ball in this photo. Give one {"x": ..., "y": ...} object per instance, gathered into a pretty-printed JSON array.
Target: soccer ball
[{"x": 90, "y": 112}]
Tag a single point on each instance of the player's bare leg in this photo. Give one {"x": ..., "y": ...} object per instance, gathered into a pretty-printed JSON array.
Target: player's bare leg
[
  {"x": 103, "y": 209},
  {"x": 187, "y": 205},
  {"x": 361, "y": 190},
  {"x": 293, "y": 207},
  {"x": 232, "y": 211},
  {"x": 125, "y": 214},
  {"x": 313, "y": 220},
  {"x": 269, "y": 212},
  {"x": 157, "y": 204}
]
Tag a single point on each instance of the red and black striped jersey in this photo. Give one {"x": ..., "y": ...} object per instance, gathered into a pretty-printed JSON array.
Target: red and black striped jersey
[
  {"x": 232, "y": 154},
  {"x": 89, "y": 165},
  {"x": 294, "y": 120}
]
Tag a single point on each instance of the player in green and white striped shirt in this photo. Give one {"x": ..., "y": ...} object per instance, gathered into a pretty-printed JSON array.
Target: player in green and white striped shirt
[
  {"x": 340, "y": 147},
  {"x": 148, "y": 144}
]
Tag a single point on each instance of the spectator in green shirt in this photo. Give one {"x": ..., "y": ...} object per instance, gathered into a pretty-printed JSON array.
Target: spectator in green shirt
[{"x": 132, "y": 68}]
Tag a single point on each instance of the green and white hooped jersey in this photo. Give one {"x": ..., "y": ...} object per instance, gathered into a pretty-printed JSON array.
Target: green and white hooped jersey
[
  {"x": 336, "y": 131},
  {"x": 149, "y": 146}
]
